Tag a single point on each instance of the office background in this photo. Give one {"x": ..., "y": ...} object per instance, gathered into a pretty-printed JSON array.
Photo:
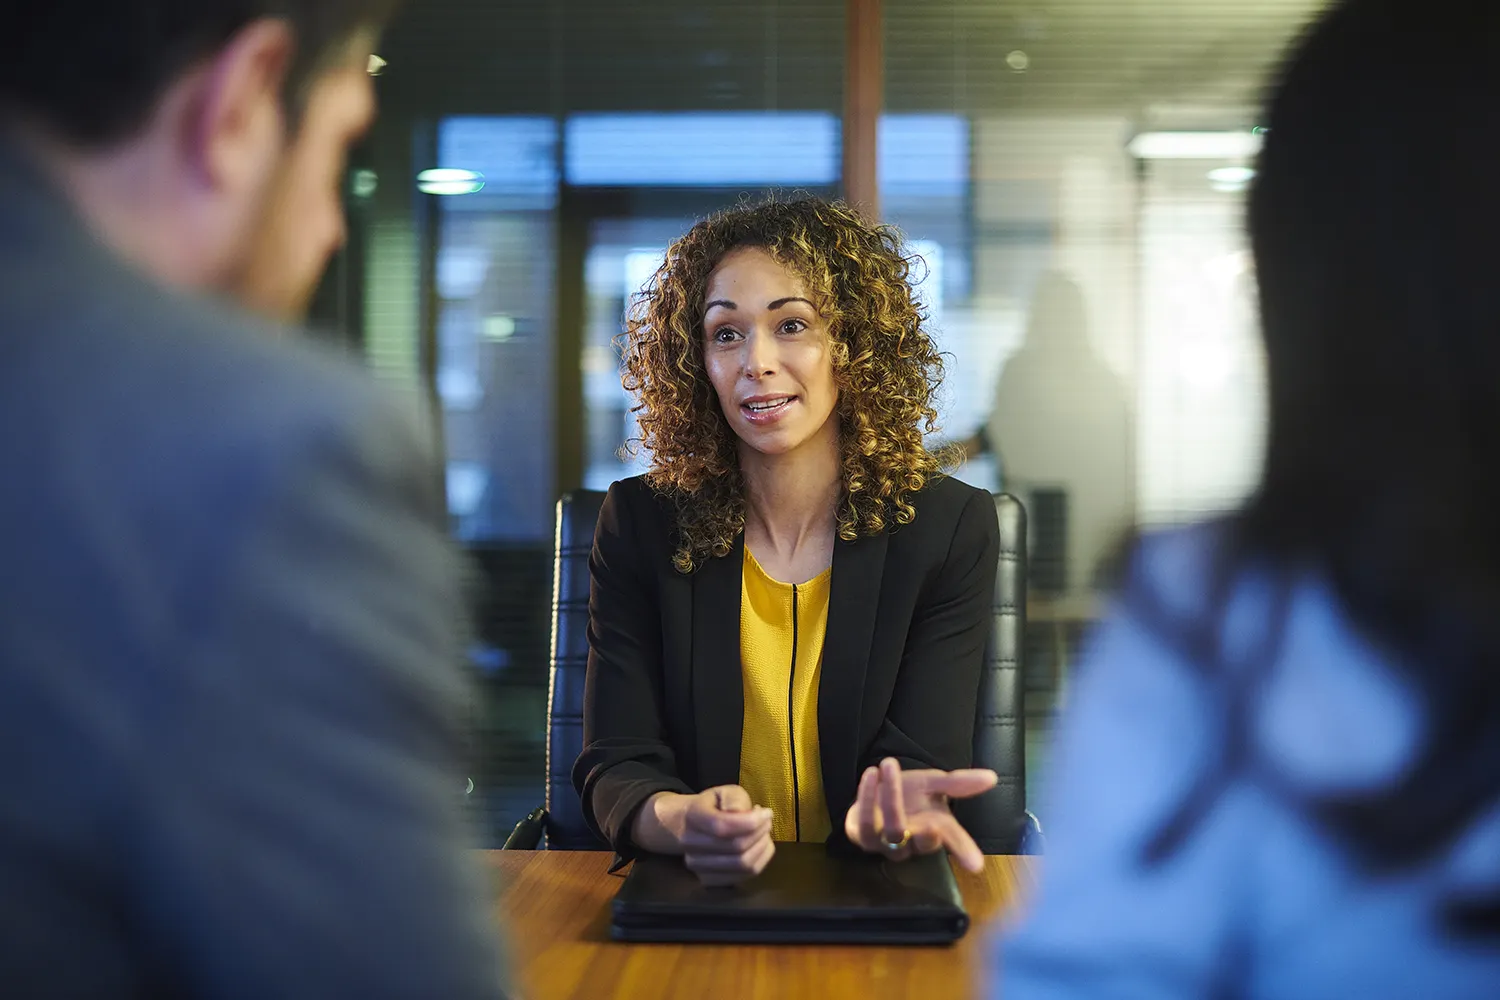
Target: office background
[{"x": 1072, "y": 173}]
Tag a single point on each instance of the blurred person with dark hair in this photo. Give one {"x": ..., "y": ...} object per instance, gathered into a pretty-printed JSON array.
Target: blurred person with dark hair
[
  {"x": 1279, "y": 775},
  {"x": 229, "y": 664}
]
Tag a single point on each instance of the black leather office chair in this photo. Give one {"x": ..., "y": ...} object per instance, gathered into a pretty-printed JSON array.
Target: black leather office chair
[
  {"x": 998, "y": 820},
  {"x": 564, "y": 827}
]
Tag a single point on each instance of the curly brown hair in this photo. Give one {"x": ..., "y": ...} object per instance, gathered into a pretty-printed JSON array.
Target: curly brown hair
[{"x": 885, "y": 366}]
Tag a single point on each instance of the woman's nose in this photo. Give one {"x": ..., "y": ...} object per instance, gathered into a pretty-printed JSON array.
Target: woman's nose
[{"x": 760, "y": 356}]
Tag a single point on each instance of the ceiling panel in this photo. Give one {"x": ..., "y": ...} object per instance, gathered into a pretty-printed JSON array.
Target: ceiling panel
[
  {"x": 483, "y": 56},
  {"x": 1090, "y": 55},
  {"x": 495, "y": 56}
]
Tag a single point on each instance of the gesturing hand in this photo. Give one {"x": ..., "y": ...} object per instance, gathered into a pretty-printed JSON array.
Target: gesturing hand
[
  {"x": 725, "y": 837},
  {"x": 899, "y": 813}
]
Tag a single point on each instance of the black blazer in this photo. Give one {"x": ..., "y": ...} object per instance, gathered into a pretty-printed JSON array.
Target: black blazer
[{"x": 908, "y": 616}]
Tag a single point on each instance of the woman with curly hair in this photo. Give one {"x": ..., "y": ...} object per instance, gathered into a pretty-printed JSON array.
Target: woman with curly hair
[{"x": 788, "y": 612}]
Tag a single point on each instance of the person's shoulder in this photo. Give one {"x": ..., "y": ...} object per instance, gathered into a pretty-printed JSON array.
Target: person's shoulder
[
  {"x": 952, "y": 489},
  {"x": 631, "y": 490},
  {"x": 950, "y": 516},
  {"x": 218, "y": 420},
  {"x": 637, "y": 506},
  {"x": 187, "y": 361},
  {"x": 946, "y": 505},
  {"x": 1173, "y": 569},
  {"x": 1196, "y": 615},
  {"x": 640, "y": 491},
  {"x": 274, "y": 385}
]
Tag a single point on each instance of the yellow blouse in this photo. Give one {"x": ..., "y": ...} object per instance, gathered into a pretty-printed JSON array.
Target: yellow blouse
[{"x": 781, "y": 658}]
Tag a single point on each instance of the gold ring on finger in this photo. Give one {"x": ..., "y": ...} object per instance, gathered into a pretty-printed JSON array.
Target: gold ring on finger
[{"x": 897, "y": 846}]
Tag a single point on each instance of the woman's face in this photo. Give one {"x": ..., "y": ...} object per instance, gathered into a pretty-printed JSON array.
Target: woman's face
[{"x": 767, "y": 352}]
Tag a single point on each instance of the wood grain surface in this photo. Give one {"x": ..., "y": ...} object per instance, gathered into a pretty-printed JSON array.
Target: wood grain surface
[{"x": 555, "y": 909}]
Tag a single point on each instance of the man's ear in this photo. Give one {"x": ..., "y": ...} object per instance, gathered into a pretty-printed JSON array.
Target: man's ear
[{"x": 233, "y": 123}]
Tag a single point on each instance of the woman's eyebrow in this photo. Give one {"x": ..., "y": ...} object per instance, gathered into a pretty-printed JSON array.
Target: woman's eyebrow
[{"x": 770, "y": 306}]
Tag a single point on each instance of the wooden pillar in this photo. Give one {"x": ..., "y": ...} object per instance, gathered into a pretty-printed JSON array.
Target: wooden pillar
[{"x": 864, "y": 95}]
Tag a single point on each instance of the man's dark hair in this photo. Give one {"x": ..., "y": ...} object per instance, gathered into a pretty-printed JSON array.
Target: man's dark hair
[{"x": 93, "y": 70}]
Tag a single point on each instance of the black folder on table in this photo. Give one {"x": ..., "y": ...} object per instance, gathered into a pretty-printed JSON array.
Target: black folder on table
[{"x": 807, "y": 894}]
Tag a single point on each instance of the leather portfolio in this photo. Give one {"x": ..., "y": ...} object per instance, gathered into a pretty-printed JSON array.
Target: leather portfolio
[{"x": 806, "y": 895}]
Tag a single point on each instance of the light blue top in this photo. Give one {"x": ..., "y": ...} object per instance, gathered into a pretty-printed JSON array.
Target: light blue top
[{"x": 1258, "y": 901}]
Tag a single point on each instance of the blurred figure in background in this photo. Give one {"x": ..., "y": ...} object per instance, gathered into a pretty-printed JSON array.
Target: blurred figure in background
[
  {"x": 229, "y": 676},
  {"x": 1280, "y": 772},
  {"x": 1061, "y": 421}
]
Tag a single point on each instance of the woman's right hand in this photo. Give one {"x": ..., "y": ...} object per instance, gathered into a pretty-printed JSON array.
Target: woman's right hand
[{"x": 721, "y": 834}]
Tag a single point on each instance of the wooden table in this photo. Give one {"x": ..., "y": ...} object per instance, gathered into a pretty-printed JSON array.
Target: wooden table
[{"x": 555, "y": 906}]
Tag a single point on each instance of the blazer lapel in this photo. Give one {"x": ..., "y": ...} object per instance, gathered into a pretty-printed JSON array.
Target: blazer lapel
[
  {"x": 854, "y": 596},
  {"x": 718, "y": 685}
]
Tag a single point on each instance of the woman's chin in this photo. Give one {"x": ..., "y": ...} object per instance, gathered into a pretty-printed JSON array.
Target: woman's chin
[
  {"x": 780, "y": 438},
  {"x": 770, "y": 442}
]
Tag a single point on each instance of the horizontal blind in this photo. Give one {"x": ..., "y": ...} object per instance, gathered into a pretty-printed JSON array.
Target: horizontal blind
[
  {"x": 1082, "y": 55},
  {"x": 508, "y": 56}
]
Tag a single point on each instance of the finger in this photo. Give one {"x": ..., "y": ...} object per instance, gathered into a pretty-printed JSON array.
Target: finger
[
  {"x": 759, "y": 856},
  {"x": 732, "y": 798},
  {"x": 728, "y": 826},
  {"x": 892, "y": 806},
  {"x": 705, "y": 843},
  {"x": 860, "y": 826},
  {"x": 956, "y": 839},
  {"x": 705, "y": 819},
  {"x": 717, "y": 878},
  {"x": 960, "y": 784},
  {"x": 723, "y": 869},
  {"x": 926, "y": 838}
]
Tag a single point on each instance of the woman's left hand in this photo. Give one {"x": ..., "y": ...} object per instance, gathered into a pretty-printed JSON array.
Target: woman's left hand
[{"x": 899, "y": 813}]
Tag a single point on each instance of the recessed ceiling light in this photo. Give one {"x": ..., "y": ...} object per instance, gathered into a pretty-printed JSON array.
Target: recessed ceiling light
[
  {"x": 1232, "y": 175},
  {"x": 449, "y": 181},
  {"x": 1018, "y": 61}
]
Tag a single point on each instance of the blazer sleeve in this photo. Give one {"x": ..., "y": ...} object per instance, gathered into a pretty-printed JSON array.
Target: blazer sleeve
[
  {"x": 626, "y": 756},
  {"x": 303, "y": 828},
  {"x": 930, "y": 722}
]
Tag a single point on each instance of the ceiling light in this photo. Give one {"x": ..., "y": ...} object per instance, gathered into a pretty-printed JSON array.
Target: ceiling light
[
  {"x": 449, "y": 181},
  {"x": 1231, "y": 179},
  {"x": 376, "y": 65},
  {"x": 1232, "y": 175},
  {"x": 1018, "y": 61},
  {"x": 1195, "y": 145}
]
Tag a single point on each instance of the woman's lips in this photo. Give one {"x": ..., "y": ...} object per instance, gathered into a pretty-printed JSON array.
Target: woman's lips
[{"x": 763, "y": 410}]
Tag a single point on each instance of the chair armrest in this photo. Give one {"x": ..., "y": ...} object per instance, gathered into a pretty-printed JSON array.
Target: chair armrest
[
  {"x": 527, "y": 835},
  {"x": 1032, "y": 839}
]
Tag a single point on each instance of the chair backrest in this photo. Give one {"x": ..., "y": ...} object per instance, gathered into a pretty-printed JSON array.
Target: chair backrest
[
  {"x": 577, "y": 514},
  {"x": 997, "y": 820}
]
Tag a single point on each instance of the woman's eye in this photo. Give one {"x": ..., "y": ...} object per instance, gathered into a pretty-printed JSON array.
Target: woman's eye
[
  {"x": 793, "y": 326},
  {"x": 724, "y": 335}
]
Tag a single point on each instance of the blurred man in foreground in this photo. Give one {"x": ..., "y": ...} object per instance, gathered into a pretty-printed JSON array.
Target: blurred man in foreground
[{"x": 228, "y": 657}]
